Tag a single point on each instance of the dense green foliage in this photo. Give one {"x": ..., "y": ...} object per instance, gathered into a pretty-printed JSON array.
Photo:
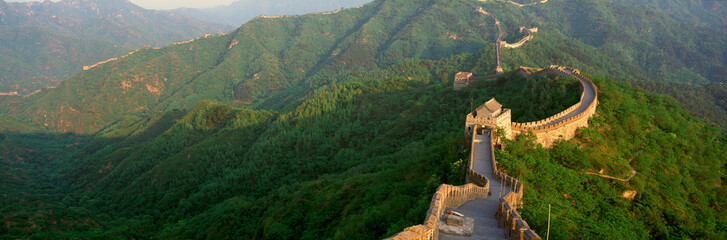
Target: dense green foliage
[
  {"x": 264, "y": 63},
  {"x": 336, "y": 166},
  {"x": 709, "y": 13},
  {"x": 274, "y": 63},
  {"x": 632, "y": 42},
  {"x": 341, "y": 126},
  {"x": 680, "y": 164},
  {"x": 42, "y": 44}
]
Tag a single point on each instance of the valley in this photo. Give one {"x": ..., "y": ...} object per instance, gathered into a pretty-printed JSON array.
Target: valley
[
  {"x": 348, "y": 125},
  {"x": 44, "y": 43}
]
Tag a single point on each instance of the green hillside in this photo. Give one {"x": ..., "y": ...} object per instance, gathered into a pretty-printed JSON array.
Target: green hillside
[
  {"x": 339, "y": 165},
  {"x": 341, "y": 126},
  {"x": 273, "y": 63},
  {"x": 260, "y": 63},
  {"x": 43, "y": 43}
]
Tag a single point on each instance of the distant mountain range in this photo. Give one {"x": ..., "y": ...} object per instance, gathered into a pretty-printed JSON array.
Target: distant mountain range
[
  {"x": 242, "y": 11},
  {"x": 43, "y": 43},
  {"x": 342, "y": 125},
  {"x": 270, "y": 62}
]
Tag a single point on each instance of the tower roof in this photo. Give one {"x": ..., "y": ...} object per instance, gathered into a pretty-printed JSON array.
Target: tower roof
[{"x": 489, "y": 108}]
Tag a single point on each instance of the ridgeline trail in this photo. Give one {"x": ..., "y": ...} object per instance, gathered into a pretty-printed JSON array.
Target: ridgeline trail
[{"x": 492, "y": 197}]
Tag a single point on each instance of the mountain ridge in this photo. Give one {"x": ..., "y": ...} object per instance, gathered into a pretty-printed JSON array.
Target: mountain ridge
[
  {"x": 239, "y": 12},
  {"x": 276, "y": 68},
  {"x": 281, "y": 60},
  {"x": 341, "y": 126},
  {"x": 49, "y": 41}
]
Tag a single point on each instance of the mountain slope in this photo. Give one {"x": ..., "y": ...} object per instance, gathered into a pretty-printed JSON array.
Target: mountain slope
[
  {"x": 341, "y": 126},
  {"x": 702, "y": 12},
  {"x": 360, "y": 160},
  {"x": 639, "y": 44},
  {"x": 239, "y": 12},
  {"x": 202, "y": 163},
  {"x": 44, "y": 43},
  {"x": 264, "y": 57},
  {"x": 271, "y": 63}
]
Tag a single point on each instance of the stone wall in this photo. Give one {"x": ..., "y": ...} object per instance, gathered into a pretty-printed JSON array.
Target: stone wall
[
  {"x": 447, "y": 196},
  {"x": 562, "y": 125},
  {"x": 523, "y": 5},
  {"x": 521, "y": 42},
  {"x": 507, "y": 215},
  {"x": 109, "y": 60},
  {"x": 462, "y": 79},
  {"x": 85, "y": 68},
  {"x": 548, "y": 131},
  {"x": 503, "y": 120}
]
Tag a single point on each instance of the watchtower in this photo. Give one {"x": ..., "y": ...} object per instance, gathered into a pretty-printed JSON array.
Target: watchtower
[
  {"x": 489, "y": 115},
  {"x": 462, "y": 79}
]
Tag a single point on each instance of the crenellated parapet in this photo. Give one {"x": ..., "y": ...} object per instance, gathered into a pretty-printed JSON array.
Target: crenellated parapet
[
  {"x": 564, "y": 124},
  {"x": 489, "y": 115},
  {"x": 559, "y": 126},
  {"x": 446, "y": 196},
  {"x": 507, "y": 215}
]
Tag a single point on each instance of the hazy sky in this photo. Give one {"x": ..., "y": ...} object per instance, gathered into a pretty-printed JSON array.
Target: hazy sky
[{"x": 165, "y": 4}]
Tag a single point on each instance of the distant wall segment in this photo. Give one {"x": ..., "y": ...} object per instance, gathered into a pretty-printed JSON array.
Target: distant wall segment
[
  {"x": 523, "y": 40},
  {"x": 564, "y": 124}
]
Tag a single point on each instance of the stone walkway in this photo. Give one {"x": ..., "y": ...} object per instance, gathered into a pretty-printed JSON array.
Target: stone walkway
[
  {"x": 589, "y": 95},
  {"x": 482, "y": 210}
]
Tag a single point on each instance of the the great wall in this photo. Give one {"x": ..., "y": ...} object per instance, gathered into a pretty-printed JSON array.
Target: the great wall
[
  {"x": 463, "y": 80},
  {"x": 85, "y": 68},
  {"x": 523, "y": 40},
  {"x": 563, "y": 124},
  {"x": 498, "y": 42},
  {"x": 313, "y": 13},
  {"x": 472, "y": 211},
  {"x": 520, "y": 4},
  {"x": 548, "y": 130}
]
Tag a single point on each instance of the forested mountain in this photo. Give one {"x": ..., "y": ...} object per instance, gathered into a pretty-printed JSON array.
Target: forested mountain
[
  {"x": 272, "y": 61},
  {"x": 704, "y": 12},
  {"x": 43, "y": 43},
  {"x": 267, "y": 63},
  {"x": 341, "y": 126},
  {"x": 239, "y": 12}
]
